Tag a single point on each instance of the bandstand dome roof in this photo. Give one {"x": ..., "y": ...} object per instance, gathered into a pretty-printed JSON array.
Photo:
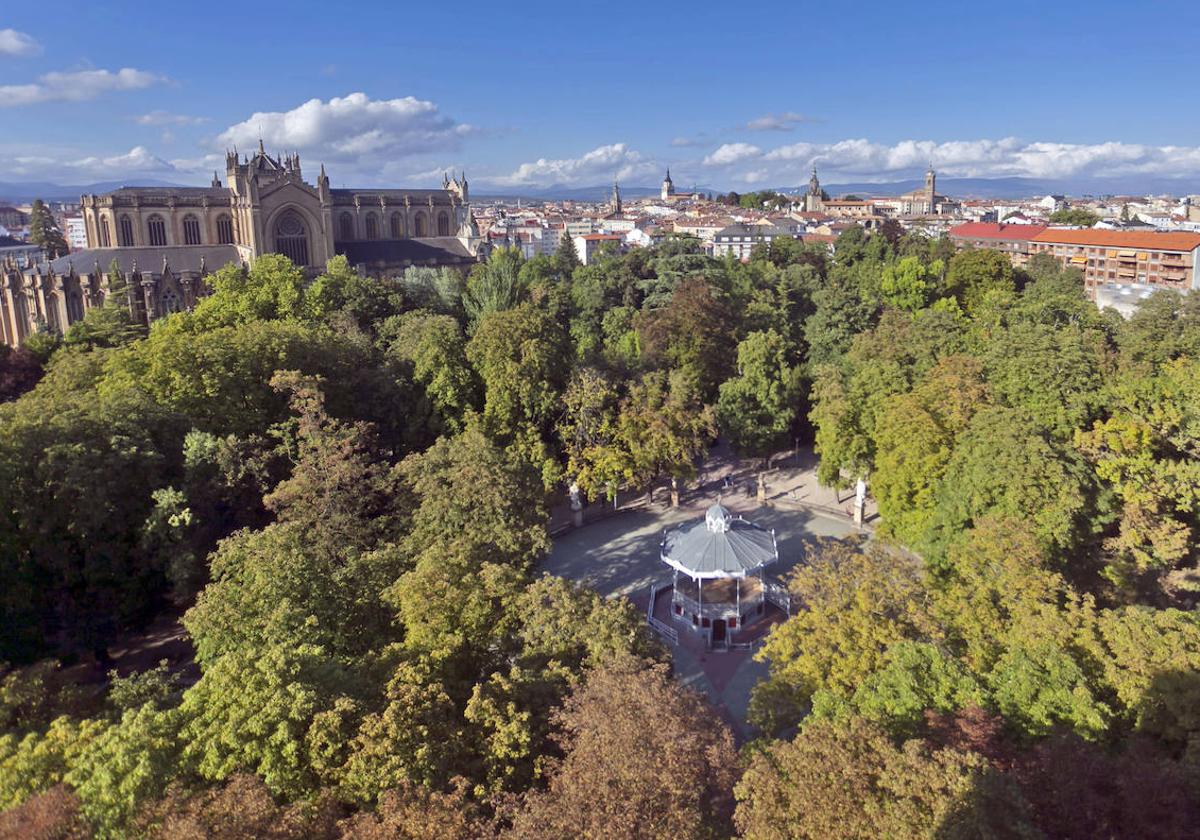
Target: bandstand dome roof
[{"x": 722, "y": 546}]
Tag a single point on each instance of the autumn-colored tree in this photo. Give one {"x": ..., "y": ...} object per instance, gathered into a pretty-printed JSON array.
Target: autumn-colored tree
[
  {"x": 850, "y": 780},
  {"x": 240, "y": 807},
  {"x": 692, "y": 333},
  {"x": 643, "y": 758}
]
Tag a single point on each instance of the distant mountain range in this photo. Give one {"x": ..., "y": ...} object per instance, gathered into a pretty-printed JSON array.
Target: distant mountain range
[
  {"x": 1001, "y": 188},
  {"x": 20, "y": 192}
]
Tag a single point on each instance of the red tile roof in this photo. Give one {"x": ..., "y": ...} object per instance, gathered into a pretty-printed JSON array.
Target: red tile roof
[
  {"x": 1161, "y": 241},
  {"x": 991, "y": 230}
]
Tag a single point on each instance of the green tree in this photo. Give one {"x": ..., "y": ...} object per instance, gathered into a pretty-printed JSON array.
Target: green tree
[
  {"x": 494, "y": 286},
  {"x": 1144, "y": 452},
  {"x": 973, "y": 274},
  {"x": 1077, "y": 217},
  {"x": 433, "y": 350},
  {"x": 270, "y": 289},
  {"x": 914, "y": 435},
  {"x": 520, "y": 356},
  {"x": 858, "y": 603},
  {"x": 1004, "y": 465},
  {"x": 915, "y": 677},
  {"x": 909, "y": 284},
  {"x": 364, "y": 300},
  {"x": 757, "y": 409},
  {"x": 44, "y": 232}
]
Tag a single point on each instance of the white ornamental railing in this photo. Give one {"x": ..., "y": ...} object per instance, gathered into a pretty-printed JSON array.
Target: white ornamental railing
[{"x": 777, "y": 594}]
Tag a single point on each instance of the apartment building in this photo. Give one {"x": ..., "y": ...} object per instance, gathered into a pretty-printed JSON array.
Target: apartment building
[
  {"x": 1011, "y": 239},
  {"x": 589, "y": 245},
  {"x": 739, "y": 240},
  {"x": 1116, "y": 258}
]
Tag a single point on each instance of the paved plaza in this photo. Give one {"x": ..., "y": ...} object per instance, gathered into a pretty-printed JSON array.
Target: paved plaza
[{"x": 619, "y": 556}]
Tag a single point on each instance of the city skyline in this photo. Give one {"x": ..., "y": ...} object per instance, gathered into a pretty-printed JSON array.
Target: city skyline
[{"x": 550, "y": 97}]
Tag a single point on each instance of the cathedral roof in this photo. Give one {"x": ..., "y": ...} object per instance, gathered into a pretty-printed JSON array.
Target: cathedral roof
[
  {"x": 439, "y": 249},
  {"x": 347, "y": 195},
  {"x": 180, "y": 258},
  {"x": 160, "y": 195}
]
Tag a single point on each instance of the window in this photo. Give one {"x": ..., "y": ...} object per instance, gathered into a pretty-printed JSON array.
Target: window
[
  {"x": 419, "y": 226},
  {"x": 346, "y": 226},
  {"x": 372, "y": 226},
  {"x": 170, "y": 302},
  {"x": 291, "y": 237},
  {"x": 443, "y": 224},
  {"x": 397, "y": 226},
  {"x": 105, "y": 237},
  {"x": 191, "y": 230},
  {"x": 126, "y": 229},
  {"x": 74, "y": 307},
  {"x": 157, "y": 230},
  {"x": 224, "y": 229}
]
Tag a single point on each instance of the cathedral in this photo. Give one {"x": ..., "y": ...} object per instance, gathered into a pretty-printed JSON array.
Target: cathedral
[{"x": 165, "y": 240}]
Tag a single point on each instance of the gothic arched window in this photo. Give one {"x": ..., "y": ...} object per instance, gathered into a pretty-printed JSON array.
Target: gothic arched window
[
  {"x": 346, "y": 226},
  {"x": 157, "y": 230},
  {"x": 126, "y": 230},
  {"x": 74, "y": 307},
  {"x": 397, "y": 226},
  {"x": 191, "y": 230},
  {"x": 224, "y": 229},
  {"x": 443, "y": 224},
  {"x": 291, "y": 237},
  {"x": 105, "y": 238},
  {"x": 419, "y": 226},
  {"x": 372, "y": 226}
]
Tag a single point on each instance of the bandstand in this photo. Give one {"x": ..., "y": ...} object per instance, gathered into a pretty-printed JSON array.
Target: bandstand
[{"x": 719, "y": 581}]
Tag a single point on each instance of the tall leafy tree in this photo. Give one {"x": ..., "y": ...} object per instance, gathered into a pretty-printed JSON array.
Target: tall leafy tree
[
  {"x": 758, "y": 408},
  {"x": 44, "y": 231}
]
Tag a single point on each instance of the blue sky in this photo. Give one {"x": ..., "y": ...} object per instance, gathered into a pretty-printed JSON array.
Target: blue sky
[{"x": 531, "y": 94}]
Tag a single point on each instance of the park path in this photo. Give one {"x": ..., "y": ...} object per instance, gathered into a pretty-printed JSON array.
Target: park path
[{"x": 618, "y": 556}]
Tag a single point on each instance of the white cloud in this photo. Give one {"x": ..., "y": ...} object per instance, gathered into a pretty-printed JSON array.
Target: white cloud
[
  {"x": 785, "y": 121},
  {"x": 728, "y": 153},
  {"x": 76, "y": 86},
  {"x": 355, "y": 130},
  {"x": 66, "y": 166},
  {"x": 167, "y": 118},
  {"x": 18, "y": 44},
  {"x": 1006, "y": 157},
  {"x": 686, "y": 142},
  {"x": 615, "y": 160}
]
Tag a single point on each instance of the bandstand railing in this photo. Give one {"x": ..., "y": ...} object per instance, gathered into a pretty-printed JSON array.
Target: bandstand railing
[
  {"x": 777, "y": 594},
  {"x": 713, "y": 609},
  {"x": 661, "y": 627}
]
